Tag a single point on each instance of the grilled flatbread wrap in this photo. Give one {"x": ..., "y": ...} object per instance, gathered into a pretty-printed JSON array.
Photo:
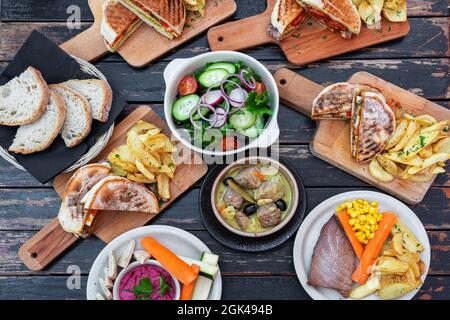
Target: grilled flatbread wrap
[
  {"x": 72, "y": 215},
  {"x": 372, "y": 125},
  {"x": 118, "y": 193},
  {"x": 337, "y": 15},
  {"x": 335, "y": 101},
  {"x": 286, "y": 16}
]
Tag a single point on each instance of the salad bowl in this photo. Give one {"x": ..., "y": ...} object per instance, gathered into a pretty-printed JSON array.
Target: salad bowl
[{"x": 178, "y": 69}]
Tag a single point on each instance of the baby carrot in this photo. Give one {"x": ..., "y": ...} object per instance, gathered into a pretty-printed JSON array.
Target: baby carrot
[
  {"x": 373, "y": 248},
  {"x": 188, "y": 289},
  {"x": 358, "y": 247},
  {"x": 169, "y": 260}
]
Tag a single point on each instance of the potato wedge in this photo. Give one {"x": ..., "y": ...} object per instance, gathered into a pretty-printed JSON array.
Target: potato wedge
[
  {"x": 139, "y": 177},
  {"x": 438, "y": 170},
  {"x": 435, "y": 158},
  {"x": 397, "y": 243},
  {"x": 426, "y": 152},
  {"x": 397, "y": 13},
  {"x": 398, "y": 157},
  {"x": 392, "y": 4},
  {"x": 410, "y": 242},
  {"x": 425, "y": 120},
  {"x": 419, "y": 142},
  {"x": 410, "y": 131},
  {"x": 163, "y": 186},
  {"x": 421, "y": 178},
  {"x": 379, "y": 173},
  {"x": 142, "y": 127},
  {"x": 393, "y": 286},
  {"x": 372, "y": 285},
  {"x": 387, "y": 265},
  {"x": 442, "y": 146},
  {"x": 368, "y": 13},
  {"x": 387, "y": 164},
  {"x": 398, "y": 134},
  {"x": 140, "y": 151},
  {"x": 435, "y": 127}
]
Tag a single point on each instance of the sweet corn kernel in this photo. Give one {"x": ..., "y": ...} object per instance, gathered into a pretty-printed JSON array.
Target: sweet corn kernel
[{"x": 374, "y": 204}]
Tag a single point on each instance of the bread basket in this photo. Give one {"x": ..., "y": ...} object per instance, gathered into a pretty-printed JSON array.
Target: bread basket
[{"x": 99, "y": 144}]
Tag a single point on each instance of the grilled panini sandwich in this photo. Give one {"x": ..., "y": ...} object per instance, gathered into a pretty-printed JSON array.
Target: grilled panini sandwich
[
  {"x": 287, "y": 15},
  {"x": 372, "y": 125},
  {"x": 338, "y": 15},
  {"x": 118, "y": 24},
  {"x": 166, "y": 16},
  {"x": 335, "y": 101}
]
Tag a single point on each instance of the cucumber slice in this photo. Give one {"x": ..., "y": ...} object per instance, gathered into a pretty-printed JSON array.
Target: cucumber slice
[
  {"x": 203, "y": 110},
  {"x": 210, "y": 258},
  {"x": 242, "y": 119},
  {"x": 212, "y": 78},
  {"x": 255, "y": 130},
  {"x": 223, "y": 65},
  {"x": 202, "y": 288},
  {"x": 183, "y": 106},
  {"x": 206, "y": 270}
]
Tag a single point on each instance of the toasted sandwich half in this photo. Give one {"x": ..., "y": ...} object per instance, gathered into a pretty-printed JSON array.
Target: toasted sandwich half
[
  {"x": 287, "y": 15},
  {"x": 166, "y": 16},
  {"x": 338, "y": 15},
  {"x": 118, "y": 24}
]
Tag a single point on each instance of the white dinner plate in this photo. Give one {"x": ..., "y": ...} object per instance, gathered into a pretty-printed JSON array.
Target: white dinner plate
[
  {"x": 179, "y": 241},
  {"x": 309, "y": 231}
]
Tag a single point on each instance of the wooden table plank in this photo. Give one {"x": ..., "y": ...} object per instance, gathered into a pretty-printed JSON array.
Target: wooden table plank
[
  {"x": 428, "y": 78},
  {"x": 428, "y": 37},
  {"x": 234, "y": 288},
  {"x": 52, "y": 10}
]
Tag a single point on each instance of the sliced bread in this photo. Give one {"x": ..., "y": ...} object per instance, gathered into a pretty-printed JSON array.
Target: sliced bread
[
  {"x": 78, "y": 115},
  {"x": 23, "y": 99},
  {"x": 39, "y": 135},
  {"x": 98, "y": 93}
]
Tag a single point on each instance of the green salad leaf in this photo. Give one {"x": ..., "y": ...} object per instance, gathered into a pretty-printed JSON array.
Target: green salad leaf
[{"x": 258, "y": 103}]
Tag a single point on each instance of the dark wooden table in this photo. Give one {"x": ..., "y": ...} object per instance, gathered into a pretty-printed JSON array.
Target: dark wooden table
[{"x": 419, "y": 63}]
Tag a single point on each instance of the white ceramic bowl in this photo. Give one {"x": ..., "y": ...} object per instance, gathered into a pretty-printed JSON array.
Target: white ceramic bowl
[
  {"x": 264, "y": 160},
  {"x": 137, "y": 264},
  {"x": 177, "y": 69}
]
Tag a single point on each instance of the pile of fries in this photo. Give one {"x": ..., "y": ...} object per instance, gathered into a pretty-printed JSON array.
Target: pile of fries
[
  {"x": 147, "y": 157},
  {"x": 416, "y": 151}
]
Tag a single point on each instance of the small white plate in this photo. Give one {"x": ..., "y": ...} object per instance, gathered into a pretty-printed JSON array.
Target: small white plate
[
  {"x": 308, "y": 234},
  {"x": 179, "y": 241}
]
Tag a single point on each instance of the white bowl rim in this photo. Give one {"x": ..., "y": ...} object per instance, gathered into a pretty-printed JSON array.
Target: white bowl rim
[
  {"x": 136, "y": 264},
  {"x": 273, "y": 120},
  {"x": 278, "y": 227}
]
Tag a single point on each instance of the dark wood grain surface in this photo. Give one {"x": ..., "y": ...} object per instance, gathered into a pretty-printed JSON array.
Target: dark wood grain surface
[{"x": 419, "y": 63}]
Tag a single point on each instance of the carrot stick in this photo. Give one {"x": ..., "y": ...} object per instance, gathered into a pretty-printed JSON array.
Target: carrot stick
[
  {"x": 373, "y": 248},
  {"x": 180, "y": 269},
  {"x": 188, "y": 289},
  {"x": 358, "y": 247}
]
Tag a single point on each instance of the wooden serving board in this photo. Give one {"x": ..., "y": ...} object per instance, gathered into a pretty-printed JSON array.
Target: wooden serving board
[
  {"x": 52, "y": 240},
  {"x": 331, "y": 141},
  {"x": 145, "y": 45},
  {"x": 310, "y": 42}
]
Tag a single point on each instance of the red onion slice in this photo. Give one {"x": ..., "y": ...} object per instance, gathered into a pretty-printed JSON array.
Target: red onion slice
[
  {"x": 212, "y": 120},
  {"x": 251, "y": 84},
  {"x": 212, "y": 97},
  {"x": 238, "y": 97},
  {"x": 221, "y": 116}
]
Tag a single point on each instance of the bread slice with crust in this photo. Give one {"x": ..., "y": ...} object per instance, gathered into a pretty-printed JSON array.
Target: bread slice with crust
[
  {"x": 78, "y": 121},
  {"x": 98, "y": 93},
  {"x": 23, "y": 99},
  {"x": 39, "y": 135}
]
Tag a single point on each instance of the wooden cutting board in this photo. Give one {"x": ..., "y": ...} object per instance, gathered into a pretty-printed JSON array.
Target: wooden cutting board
[
  {"x": 52, "y": 240},
  {"x": 145, "y": 45},
  {"x": 311, "y": 42},
  {"x": 331, "y": 141}
]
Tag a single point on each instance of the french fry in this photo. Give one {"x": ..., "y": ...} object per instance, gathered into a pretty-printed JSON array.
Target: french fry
[
  {"x": 163, "y": 186},
  {"x": 398, "y": 134},
  {"x": 442, "y": 146},
  {"x": 410, "y": 131},
  {"x": 387, "y": 164},
  {"x": 141, "y": 167},
  {"x": 419, "y": 142},
  {"x": 398, "y": 157}
]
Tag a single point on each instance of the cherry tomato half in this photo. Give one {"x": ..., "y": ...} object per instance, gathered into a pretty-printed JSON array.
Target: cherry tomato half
[
  {"x": 230, "y": 143},
  {"x": 260, "y": 87},
  {"x": 187, "y": 86}
]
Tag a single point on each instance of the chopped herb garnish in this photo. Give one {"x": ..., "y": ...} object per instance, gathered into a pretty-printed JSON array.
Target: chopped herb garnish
[
  {"x": 164, "y": 287},
  {"x": 143, "y": 290}
]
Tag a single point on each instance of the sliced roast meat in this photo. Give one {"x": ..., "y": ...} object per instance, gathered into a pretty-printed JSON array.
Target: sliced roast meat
[
  {"x": 232, "y": 198},
  {"x": 333, "y": 261},
  {"x": 242, "y": 220},
  {"x": 269, "y": 190},
  {"x": 248, "y": 178},
  {"x": 268, "y": 215}
]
